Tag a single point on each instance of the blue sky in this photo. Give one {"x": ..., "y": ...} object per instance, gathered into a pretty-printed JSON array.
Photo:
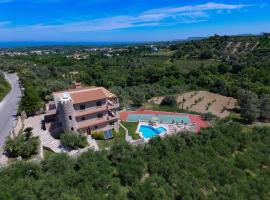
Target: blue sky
[{"x": 129, "y": 20}]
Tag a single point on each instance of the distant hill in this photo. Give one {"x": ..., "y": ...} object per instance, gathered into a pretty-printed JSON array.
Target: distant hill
[{"x": 221, "y": 46}]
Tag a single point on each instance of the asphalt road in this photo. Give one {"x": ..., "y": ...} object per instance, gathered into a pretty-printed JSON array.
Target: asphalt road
[{"x": 8, "y": 108}]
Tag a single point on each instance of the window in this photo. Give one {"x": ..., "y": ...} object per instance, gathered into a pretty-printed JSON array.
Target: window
[
  {"x": 70, "y": 117},
  {"x": 82, "y": 107},
  {"x": 98, "y": 103},
  {"x": 100, "y": 115},
  {"x": 72, "y": 128},
  {"x": 83, "y": 118}
]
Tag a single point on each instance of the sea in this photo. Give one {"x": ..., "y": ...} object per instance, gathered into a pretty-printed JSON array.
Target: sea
[{"x": 37, "y": 44}]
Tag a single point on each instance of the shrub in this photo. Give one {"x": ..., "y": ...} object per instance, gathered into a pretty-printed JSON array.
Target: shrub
[
  {"x": 207, "y": 116},
  {"x": 249, "y": 105},
  {"x": 28, "y": 132},
  {"x": 169, "y": 101},
  {"x": 265, "y": 106},
  {"x": 24, "y": 145},
  {"x": 200, "y": 99},
  {"x": 31, "y": 101},
  {"x": 73, "y": 140},
  {"x": 208, "y": 106},
  {"x": 207, "y": 54},
  {"x": 98, "y": 135}
]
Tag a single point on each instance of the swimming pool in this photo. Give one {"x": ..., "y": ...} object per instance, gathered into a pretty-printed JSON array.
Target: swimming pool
[{"x": 150, "y": 131}]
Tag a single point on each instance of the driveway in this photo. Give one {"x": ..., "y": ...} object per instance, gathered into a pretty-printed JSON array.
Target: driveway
[{"x": 8, "y": 108}]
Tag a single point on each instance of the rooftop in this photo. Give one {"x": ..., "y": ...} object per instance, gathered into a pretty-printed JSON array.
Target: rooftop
[{"x": 85, "y": 94}]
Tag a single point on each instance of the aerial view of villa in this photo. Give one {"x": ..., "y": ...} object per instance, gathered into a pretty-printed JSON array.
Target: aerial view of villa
[
  {"x": 134, "y": 100},
  {"x": 83, "y": 110},
  {"x": 86, "y": 110}
]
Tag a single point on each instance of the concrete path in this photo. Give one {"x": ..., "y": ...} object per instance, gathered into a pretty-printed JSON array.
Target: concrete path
[{"x": 8, "y": 108}]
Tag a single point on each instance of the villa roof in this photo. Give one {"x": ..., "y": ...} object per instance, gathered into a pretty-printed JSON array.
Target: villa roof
[{"x": 86, "y": 94}]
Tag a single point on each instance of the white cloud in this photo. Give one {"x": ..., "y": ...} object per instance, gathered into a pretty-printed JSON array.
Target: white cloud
[
  {"x": 196, "y": 8},
  {"x": 155, "y": 17}
]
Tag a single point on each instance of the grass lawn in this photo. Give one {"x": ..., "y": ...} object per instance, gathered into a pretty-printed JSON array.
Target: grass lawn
[
  {"x": 131, "y": 127},
  {"x": 103, "y": 144},
  {"x": 47, "y": 153}
]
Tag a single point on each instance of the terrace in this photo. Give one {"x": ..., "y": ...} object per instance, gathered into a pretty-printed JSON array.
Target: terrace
[{"x": 104, "y": 120}]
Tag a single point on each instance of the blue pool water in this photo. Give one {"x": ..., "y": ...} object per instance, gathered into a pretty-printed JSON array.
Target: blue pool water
[{"x": 150, "y": 131}]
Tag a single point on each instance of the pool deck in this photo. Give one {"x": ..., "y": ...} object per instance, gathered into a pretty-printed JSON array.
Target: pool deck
[{"x": 195, "y": 119}]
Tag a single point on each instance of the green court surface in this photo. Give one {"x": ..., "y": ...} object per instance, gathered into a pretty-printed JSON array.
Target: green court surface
[{"x": 160, "y": 118}]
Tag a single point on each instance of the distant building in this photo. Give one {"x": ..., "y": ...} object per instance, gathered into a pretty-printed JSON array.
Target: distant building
[
  {"x": 84, "y": 110},
  {"x": 153, "y": 48}
]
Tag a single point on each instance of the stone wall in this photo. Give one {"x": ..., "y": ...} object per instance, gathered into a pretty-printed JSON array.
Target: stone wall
[{"x": 17, "y": 128}]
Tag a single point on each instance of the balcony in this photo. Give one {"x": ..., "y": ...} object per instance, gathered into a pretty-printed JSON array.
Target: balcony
[
  {"x": 113, "y": 105},
  {"x": 90, "y": 111},
  {"x": 94, "y": 122}
]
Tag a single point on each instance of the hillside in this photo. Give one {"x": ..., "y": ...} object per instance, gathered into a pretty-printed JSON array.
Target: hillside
[
  {"x": 221, "y": 47},
  {"x": 136, "y": 73},
  {"x": 228, "y": 161}
]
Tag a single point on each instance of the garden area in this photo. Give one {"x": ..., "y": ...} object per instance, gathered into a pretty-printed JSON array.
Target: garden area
[
  {"x": 24, "y": 146},
  {"x": 105, "y": 144},
  {"x": 73, "y": 141},
  {"x": 117, "y": 137},
  {"x": 131, "y": 127}
]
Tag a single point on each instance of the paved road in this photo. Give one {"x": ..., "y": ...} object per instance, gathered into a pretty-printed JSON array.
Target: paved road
[{"x": 8, "y": 108}]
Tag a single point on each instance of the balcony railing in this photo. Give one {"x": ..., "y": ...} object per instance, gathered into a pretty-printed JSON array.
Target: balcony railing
[
  {"x": 89, "y": 111},
  {"x": 97, "y": 121},
  {"x": 113, "y": 106}
]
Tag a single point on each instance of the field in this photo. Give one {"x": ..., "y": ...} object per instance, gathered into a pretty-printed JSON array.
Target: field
[
  {"x": 264, "y": 43},
  {"x": 203, "y": 102},
  {"x": 164, "y": 52},
  {"x": 189, "y": 65},
  {"x": 185, "y": 65}
]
